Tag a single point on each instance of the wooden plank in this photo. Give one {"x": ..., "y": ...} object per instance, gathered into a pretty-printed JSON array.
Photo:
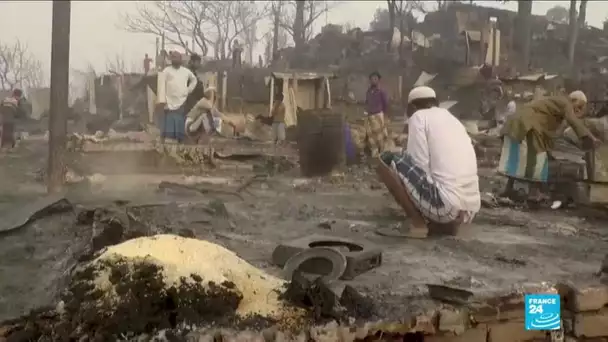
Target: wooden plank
[{"x": 601, "y": 165}]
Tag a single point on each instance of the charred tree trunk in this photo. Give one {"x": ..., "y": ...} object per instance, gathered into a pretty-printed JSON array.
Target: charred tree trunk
[
  {"x": 60, "y": 71},
  {"x": 299, "y": 34},
  {"x": 575, "y": 25},
  {"x": 276, "y": 22},
  {"x": 572, "y": 33},
  {"x": 582, "y": 14},
  {"x": 401, "y": 31},
  {"x": 391, "y": 23},
  {"x": 524, "y": 17},
  {"x": 216, "y": 49},
  {"x": 250, "y": 38}
]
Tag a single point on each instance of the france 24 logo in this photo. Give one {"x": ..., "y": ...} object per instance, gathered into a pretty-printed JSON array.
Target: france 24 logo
[{"x": 543, "y": 312}]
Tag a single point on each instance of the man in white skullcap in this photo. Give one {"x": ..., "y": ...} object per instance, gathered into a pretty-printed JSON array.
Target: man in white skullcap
[
  {"x": 435, "y": 180},
  {"x": 179, "y": 82},
  {"x": 528, "y": 138}
]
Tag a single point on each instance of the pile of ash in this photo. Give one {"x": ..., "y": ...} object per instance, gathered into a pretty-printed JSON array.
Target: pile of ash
[
  {"x": 143, "y": 305},
  {"x": 131, "y": 282},
  {"x": 164, "y": 282}
]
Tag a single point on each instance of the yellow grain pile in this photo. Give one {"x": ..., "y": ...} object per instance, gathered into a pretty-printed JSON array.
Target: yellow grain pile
[{"x": 181, "y": 257}]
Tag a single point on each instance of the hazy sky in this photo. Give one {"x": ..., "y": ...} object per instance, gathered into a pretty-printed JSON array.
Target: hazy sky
[{"x": 96, "y": 37}]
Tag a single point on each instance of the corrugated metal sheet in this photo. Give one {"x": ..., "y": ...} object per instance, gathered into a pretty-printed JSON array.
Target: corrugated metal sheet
[{"x": 303, "y": 75}]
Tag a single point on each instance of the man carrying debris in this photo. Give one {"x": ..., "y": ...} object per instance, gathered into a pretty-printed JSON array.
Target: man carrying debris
[
  {"x": 11, "y": 109},
  {"x": 435, "y": 179},
  {"x": 529, "y": 134},
  {"x": 179, "y": 83},
  {"x": 376, "y": 105},
  {"x": 202, "y": 117}
]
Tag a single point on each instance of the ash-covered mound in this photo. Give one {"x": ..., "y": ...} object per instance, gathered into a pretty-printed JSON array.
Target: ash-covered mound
[
  {"x": 148, "y": 284},
  {"x": 182, "y": 258}
]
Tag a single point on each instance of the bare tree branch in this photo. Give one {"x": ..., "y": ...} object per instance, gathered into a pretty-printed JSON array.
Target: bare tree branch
[
  {"x": 312, "y": 9},
  {"x": 116, "y": 65},
  {"x": 206, "y": 23},
  {"x": 248, "y": 16},
  {"x": 315, "y": 9},
  {"x": 176, "y": 20},
  {"x": 19, "y": 68},
  {"x": 399, "y": 14}
]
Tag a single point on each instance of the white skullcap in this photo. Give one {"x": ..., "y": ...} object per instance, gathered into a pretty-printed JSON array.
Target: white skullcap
[
  {"x": 178, "y": 49},
  {"x": 578, "y": 95},
  {"x": 422, "y": 92}
]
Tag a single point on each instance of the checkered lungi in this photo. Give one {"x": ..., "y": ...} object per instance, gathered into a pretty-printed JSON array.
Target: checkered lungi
[
  {"x": 420, "y": 188},
  {"x": 174, "y": 123},
  {"x": 376, "y": 133}
]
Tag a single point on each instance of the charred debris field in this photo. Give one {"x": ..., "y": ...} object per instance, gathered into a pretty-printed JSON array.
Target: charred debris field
[{"x": 172, "y": 263}]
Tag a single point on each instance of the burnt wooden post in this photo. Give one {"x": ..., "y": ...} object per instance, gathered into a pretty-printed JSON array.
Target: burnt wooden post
[{"x": 60, "y": 72}]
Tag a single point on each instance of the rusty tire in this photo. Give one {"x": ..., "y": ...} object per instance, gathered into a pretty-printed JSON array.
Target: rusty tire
[{"x": 337, "y": 259}]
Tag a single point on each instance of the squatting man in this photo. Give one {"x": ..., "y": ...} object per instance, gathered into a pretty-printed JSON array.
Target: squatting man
[
  {"x": 435, "y": 179},
  {"x": 204, "y": 119}
]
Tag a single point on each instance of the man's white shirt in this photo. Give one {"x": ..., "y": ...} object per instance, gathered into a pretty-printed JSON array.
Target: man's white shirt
[
  {"x": 179, "y": 82},
  {"x": 441, "y": 146}
]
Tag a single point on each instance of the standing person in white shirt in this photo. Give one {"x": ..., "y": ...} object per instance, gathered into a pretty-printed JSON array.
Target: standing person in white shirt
[
  {"x": 435, "y": 180},
  {"x": 179, "y": 82}
]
